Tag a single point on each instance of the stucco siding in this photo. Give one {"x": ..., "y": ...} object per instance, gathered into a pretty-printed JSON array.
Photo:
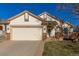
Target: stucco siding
[
  {"x": 42, "y": 16},
  {"x": 52, "y": 32},
  {"x": 49, "y": 18},
  {"x": 20, "y": 21},
  {"x": 52, "y": 19},
  {"x": 66, "y": 25}
]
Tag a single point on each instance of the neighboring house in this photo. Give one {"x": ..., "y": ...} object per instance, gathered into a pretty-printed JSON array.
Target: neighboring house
[{"x": 3, "y": 25}]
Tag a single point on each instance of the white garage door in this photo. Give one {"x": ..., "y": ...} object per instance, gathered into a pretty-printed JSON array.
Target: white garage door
[{"x": 26, "y": 33}]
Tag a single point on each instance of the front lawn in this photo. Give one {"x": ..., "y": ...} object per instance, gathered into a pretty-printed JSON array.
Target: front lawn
[{"x": 61, "y": 48}]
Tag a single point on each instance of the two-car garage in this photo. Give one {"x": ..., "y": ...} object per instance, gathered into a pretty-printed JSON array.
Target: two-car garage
[{"x": 26, "y": 33}]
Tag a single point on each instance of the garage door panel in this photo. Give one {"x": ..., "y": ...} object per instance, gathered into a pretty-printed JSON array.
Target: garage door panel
[{"x": 26, "y": 34}]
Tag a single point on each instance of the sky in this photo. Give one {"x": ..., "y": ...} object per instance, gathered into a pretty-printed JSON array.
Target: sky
[{"x": 8, "y": 10}]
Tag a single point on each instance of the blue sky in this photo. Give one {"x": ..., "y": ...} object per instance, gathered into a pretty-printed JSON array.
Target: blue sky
[{"x": 8, "y": 10}]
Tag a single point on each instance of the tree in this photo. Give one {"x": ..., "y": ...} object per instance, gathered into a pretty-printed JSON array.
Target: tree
[{"x": 73, "y": 7}]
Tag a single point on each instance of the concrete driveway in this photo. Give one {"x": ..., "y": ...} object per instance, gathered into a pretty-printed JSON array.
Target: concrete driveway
[{"x": 21, "y": 48}]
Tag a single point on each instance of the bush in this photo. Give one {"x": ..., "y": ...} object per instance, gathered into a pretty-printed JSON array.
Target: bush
[{"x": 2, "y": 36}]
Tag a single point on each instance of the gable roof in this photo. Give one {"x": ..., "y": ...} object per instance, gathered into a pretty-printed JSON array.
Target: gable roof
[
  {"x": 56, "y": 18},
  {"x": 69, "y": 24},
  {"x": 23, "y": 12},
  {"x": 48, "y": 15},
  {"x": 51, "y": 16}
]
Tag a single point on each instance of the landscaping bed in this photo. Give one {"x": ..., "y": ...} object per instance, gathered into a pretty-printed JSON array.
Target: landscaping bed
[{"x": 2, "y": 37}]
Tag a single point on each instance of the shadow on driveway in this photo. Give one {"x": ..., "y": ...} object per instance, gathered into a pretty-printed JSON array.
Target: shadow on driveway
[{"x": 21, "y": 48}]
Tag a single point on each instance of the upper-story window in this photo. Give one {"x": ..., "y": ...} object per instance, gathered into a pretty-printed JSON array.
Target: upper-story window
[{"x": 26, "y": 17}]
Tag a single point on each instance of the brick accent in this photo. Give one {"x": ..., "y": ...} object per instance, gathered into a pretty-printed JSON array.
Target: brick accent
[
  {"x": 44, "y": 36},
  {"x": 8, "y": 36}
]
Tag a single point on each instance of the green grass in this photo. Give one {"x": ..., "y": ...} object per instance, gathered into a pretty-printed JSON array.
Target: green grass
[{"x": 61, "y": 48}]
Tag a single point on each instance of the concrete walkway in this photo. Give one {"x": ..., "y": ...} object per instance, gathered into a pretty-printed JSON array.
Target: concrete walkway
[{"x": 21, "y": 48}]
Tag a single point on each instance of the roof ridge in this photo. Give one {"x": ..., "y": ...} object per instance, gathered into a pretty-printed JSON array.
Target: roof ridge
[
  {"x": 43, "y": 13},
  {"x": 50, "y": 15},
  {"x": 46, "y": 13},
  {"x": 21, "y": 13}
]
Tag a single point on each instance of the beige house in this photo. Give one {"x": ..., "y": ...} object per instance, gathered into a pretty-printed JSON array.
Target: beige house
[
  {"x": 25, "y": 26},
  {"x": 3, "y": 26}
]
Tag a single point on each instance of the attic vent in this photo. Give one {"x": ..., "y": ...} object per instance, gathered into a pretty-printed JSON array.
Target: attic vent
[
  {"x": 44, "y": 16},
  {"x": 26, "y": 17}
]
